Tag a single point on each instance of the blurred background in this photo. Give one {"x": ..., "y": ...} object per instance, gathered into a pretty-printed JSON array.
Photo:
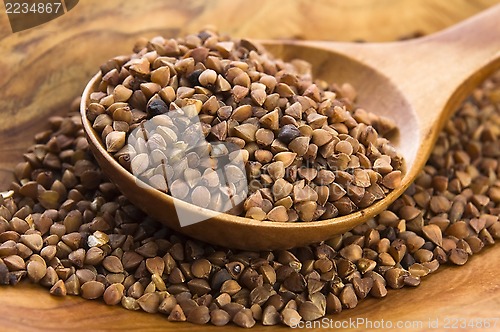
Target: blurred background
[{"x": 43, "y": 69}]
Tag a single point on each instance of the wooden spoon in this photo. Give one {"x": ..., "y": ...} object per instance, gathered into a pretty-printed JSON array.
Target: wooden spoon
[{"x": 417, "y": 83}]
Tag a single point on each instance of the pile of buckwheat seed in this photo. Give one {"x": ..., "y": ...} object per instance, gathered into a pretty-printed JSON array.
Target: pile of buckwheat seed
[
  {"x": 307, "y": 152},
  {"x": 64, "y": 226}
]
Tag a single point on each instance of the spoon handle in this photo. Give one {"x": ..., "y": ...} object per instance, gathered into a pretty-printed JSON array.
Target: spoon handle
[{"x": 436, "y": 72}]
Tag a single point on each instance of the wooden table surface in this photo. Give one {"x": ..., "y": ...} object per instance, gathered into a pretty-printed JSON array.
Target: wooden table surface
[{"x": 44, "y": 68}]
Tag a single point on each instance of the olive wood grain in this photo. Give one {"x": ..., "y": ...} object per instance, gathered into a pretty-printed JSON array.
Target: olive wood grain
[{"x": 58, "y": 58}]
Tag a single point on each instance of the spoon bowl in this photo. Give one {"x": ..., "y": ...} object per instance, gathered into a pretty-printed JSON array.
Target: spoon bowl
[{"x": 409, "y": 82}]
